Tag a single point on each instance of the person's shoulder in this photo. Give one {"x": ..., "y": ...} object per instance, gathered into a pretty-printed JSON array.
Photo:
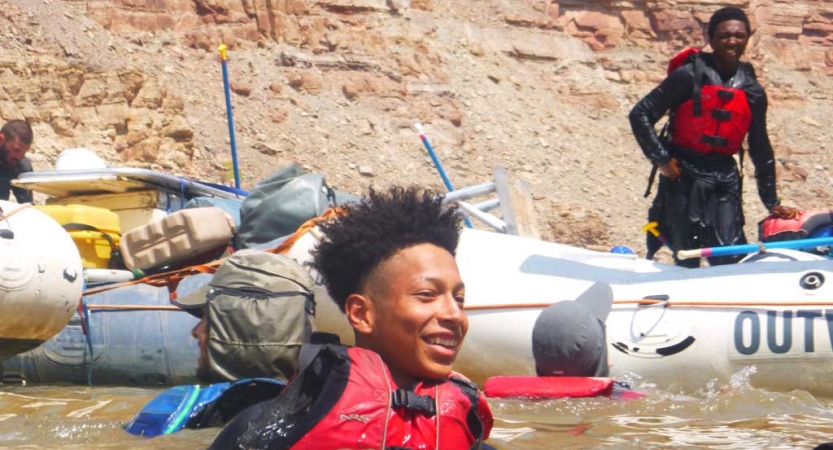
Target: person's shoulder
[
  {"x": 748, "y": 70},
  {"x": 24, "y": 165},
  {"x": 685, "y": 70},
  {"x": 750, "y": 80}
]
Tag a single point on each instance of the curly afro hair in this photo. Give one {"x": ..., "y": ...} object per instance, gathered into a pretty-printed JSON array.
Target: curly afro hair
[{"x": 368, "y": 232}]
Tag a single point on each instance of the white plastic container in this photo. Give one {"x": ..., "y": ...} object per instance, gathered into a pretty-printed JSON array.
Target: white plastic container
[{"x": 79, "y": 159}]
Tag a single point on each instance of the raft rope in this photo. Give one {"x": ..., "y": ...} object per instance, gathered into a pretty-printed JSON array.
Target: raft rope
[
  {"x": 103, "y": 307},
  {"x": 88, "y": 337},
  {"x": 5, "y": 216},
  {"x": 97, "y": 307},
  {"x": 648, "y": 302}
]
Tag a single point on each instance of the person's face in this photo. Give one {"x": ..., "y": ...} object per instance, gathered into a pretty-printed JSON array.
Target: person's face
[
  {"x": 14, "y": 149},
  {"x": 411, "y": 313},
  {"x": 729, "y": 42},
  {"x": 200, "y": 333}
]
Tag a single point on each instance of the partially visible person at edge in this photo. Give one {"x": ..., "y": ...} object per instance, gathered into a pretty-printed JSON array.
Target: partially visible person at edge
[
  {"x": 255, "y": 314},
  {"x": 698, "y": 203},
  {"x": 388, "y": 262},
  {"x": 15, "y": 140}
]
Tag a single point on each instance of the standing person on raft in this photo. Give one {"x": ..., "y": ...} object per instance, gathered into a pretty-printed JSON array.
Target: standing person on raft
[
  {"x": 715, "y": 100},
  {"x": 388, "y": 262}
]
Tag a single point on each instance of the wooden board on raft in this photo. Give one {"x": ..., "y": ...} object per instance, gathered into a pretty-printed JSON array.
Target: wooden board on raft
[{"x": 516, "y": 204}]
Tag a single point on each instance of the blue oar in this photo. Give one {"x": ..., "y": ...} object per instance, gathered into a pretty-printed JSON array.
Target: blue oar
[
  {"x": 437, "y": 164},
  {"x": 223, "y": 58},
  {"x": 752, "y": 248}
]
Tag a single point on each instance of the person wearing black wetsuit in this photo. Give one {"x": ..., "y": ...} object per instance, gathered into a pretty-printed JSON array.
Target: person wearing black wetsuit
[
  {"x": 15, "y": 141},
  {"x": 715, "y": 101}
]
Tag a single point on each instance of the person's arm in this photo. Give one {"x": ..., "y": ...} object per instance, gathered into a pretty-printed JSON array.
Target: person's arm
[
  {"x": 23, "y": 195},
  {"x": 675, "y": 89},
  {"x": 760, "y": 149}
]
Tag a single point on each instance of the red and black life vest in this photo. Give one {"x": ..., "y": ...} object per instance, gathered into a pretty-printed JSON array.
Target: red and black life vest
[
  {"x": 715, "y": 119},
  {"x": 356, "y": 404}
]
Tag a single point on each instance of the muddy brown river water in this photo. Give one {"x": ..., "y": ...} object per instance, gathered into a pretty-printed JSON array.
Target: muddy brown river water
[{"x": 733, "y": 417}]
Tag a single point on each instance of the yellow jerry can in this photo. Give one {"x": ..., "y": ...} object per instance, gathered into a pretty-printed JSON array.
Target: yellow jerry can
[{"x": 95, "y": 231}]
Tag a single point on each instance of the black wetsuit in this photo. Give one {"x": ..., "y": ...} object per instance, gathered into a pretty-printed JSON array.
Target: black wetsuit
[
  {"x": 703, "y": 208},
  {"x": 8, "y": 174}
]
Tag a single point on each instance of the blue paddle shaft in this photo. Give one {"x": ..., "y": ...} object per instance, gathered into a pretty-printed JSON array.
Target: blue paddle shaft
[
  {"x": 440, "y": 169},
  {"x": 752, "y": 248},
  {"x": 437, "y": 163},
  {"x": 231, "y": 126}
]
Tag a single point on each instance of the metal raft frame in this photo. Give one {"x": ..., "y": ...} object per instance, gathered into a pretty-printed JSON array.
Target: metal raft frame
[{"x": 514, "y": 199}]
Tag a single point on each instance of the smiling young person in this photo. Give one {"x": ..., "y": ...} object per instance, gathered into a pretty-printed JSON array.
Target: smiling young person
[
  {"x": 715, "y": 101},
  {"x": 388, "y": 262}
]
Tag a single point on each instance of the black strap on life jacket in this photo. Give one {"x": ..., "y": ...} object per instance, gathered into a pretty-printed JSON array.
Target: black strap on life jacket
[
  {"x": 403, "y": 398},
  {"x": 472, "y": 418},
  {"x": 407, "y": 399},
  {"x": 305, "y": 401},
  {"x": 116, "y": 261},
  {"x": 310, "y": 349},
  {"x": 697, "y": 88}
]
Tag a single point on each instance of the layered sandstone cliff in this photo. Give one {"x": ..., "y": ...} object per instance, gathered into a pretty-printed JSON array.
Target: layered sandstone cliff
[{"x": 542, "y": 87}]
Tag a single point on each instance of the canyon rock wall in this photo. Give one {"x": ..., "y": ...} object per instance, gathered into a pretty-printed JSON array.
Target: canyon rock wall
[{"x": 541, "y": 87}]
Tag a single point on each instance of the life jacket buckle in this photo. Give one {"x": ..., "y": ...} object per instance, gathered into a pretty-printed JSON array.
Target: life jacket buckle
[
  {"x": 403, "y": 398},
  {"x": 722, "y": 115},
  {"x": 725, "y": 95},
  {"x": 716, "y": 141}
]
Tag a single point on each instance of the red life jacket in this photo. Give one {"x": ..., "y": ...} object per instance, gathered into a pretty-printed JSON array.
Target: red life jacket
[
  {"x": 774, "y": 229},
  {"x": 357, "y": 405},
  {"x": 715, "y": 119}
]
